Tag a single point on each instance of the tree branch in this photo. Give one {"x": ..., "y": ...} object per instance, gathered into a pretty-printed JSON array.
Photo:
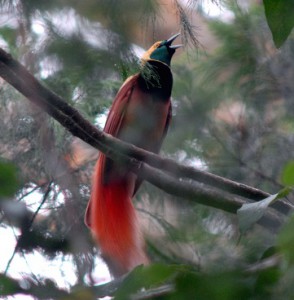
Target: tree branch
[{"x": 163, "y": 173}]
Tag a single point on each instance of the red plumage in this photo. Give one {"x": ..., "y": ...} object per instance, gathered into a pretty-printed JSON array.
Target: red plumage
[
  {"x": 140, "y": 115},
  {"x": 110, "y": 213}
]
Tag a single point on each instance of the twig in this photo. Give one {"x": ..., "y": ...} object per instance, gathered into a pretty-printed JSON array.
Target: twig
[
  {"x": 265, "y": 264},
  {"x": 12, "y": 256},
  {"x": 41, "y": 204},
  {"x": 30, "y": 192},
  {"x": 27, "y": 227},
  {"x": 155, "y": 292}
]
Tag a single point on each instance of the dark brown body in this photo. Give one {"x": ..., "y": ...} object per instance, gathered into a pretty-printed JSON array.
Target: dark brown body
[{"x": 140, "y": 115}]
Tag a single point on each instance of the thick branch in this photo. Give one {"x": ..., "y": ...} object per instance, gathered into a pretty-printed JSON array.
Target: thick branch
[{"x": 146, "y": 165}]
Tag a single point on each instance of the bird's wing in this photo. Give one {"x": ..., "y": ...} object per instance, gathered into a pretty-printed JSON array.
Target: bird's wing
[
  {"x": 119, "y": 106},
  {"x": 113, "y": 125},
  {"x": 115, "y": 122},
  {"x": 168, "y": 119}
]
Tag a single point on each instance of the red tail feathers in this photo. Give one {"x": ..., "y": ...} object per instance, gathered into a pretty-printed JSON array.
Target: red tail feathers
[{"x": 114, "y": 222}]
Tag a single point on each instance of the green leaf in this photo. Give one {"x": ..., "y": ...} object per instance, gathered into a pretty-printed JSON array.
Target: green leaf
[
  {"x": 9, "y": 35},
  {"x": 145, "y": 277},
  {"x": 8, "y": 179},
  {"x": 8, "y": 286},
  {"x": 250, "y": 213},
  {"x": 266, "y": 279},
  {"x": 285, "y": 241},
  {"x": 288, "y": 174},
  {"x": 215, "y": 286},
  {"x": 279, "y": 15}
]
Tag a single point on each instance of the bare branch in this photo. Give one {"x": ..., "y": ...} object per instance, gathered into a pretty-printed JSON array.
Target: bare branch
[
  {"x": 164, "y": 173},
  {"x": 265, "y": 264}
]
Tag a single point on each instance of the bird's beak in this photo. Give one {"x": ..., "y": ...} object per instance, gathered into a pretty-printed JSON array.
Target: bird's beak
[{"x": 171, "y": 39}]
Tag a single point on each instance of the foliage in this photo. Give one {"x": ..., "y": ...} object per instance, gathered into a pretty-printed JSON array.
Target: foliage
[
  {"x": 250, "y": 213},
  {"x": 288, "y": 174},
  {"x": 8, "y": 179},
  {"x": 232, "y": 115},
  {"x": 279, "y": 16}
]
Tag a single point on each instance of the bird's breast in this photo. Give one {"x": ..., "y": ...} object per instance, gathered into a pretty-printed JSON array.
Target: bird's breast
[
  {"x": 156, "y": 79},
  {"x": 145, "y": 119}
]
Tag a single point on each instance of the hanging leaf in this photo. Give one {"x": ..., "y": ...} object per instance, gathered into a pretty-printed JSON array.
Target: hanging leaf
[
  {"x": 279, "y": 15},
  {"x": 145, "y": 277},
  {"x": 285, "y": 240},
  {"x": 288, "y": 174},
  {"x": 250, "y": 213},
  {"x": 8, "y": 179},
  {"x": 226, "y": 285}
]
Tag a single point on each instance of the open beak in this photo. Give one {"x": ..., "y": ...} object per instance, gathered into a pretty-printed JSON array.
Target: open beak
[{"x": 171, "y": 39}]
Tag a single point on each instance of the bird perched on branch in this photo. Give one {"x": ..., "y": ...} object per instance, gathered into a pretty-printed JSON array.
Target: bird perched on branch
[{"x": 140, "y": 115}]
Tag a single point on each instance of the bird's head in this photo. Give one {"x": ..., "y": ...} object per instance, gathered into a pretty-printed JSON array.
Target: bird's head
[{"x": 161, "y": 51}]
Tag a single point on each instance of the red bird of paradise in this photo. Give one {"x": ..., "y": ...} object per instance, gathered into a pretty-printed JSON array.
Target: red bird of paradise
[{"x": 140, "y": 115}]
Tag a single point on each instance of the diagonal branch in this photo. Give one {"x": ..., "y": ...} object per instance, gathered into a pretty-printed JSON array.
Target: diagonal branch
[{"x": 164, "y": 173}]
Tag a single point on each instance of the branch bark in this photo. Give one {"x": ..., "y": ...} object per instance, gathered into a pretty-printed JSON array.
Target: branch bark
[{"x": 164, "y": 173}]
